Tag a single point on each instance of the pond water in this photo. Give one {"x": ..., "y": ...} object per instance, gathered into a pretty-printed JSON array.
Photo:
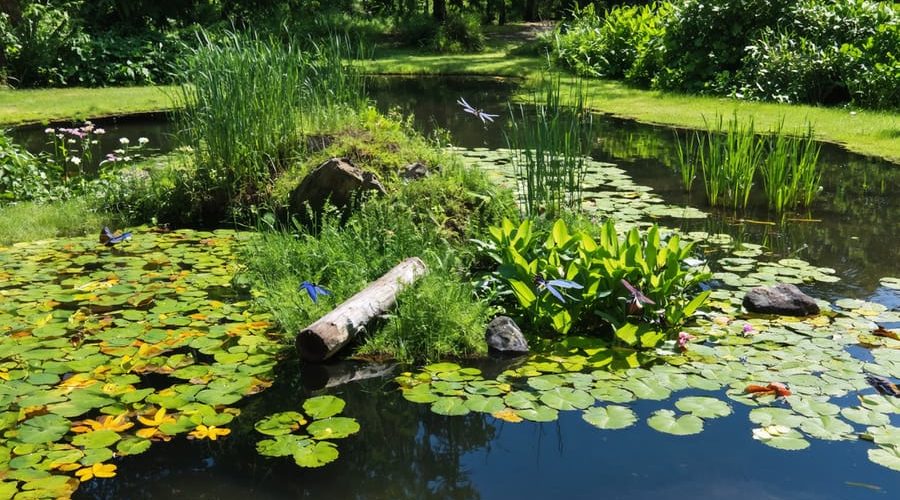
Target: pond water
[{"x": 404, "y": 450}]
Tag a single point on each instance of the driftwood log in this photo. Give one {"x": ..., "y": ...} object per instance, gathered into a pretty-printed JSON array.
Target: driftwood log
[{"x": 322, "y": 339}]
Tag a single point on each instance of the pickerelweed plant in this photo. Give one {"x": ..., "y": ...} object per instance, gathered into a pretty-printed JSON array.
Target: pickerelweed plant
[
  {"x": 635, "y": 287},
  {"x": 551, "y": 149}
]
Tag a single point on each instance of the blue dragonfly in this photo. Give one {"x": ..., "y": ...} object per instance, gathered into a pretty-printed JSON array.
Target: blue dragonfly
[
  {"x": 109, "y": 239},
  {"x": 477, "y": 113},
  {"x": 552, "y": 285},
  {"x": 314, "y": 291},
  {"x": 638, "y": 299}
]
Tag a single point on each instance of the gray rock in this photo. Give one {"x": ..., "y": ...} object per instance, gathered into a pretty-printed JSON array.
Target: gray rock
[
  {"x": 784, "y": 299},
  {"x": 337, "y": 181},
  {"x": 503, "y": 336},
  {"x": 414, "y": 171}
]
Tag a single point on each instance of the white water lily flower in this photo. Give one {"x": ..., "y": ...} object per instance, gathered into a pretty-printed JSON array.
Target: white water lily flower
[
  {"x": 49, "y": 130},
  {"x": 761, "y": 434},
  {"x": 99, "y": 131},
  {"x": 143, "y": 140},
  {"x": 123, "y": 140}
]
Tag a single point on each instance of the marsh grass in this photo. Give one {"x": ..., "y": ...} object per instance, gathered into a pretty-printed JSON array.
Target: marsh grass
[
  {"x": 551, "y": 148},
  {"x": 29, "y": 221},
  {"x": 246, "y": 98},
  {"x": 791, "y": 174},
  {"x": 731, "y": 157}
]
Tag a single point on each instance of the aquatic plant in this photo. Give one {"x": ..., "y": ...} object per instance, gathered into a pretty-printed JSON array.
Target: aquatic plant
[
  {"x": 729, "y": 156},
  {"x": 791, "y": 173},
  {"x": 635, "y": 284},
  {"x": 107, "y": 350},
  {"x": 550, "y": 148}
]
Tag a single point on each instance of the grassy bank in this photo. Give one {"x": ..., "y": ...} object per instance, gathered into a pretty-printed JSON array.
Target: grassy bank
[
  {"x": 866, "y": 132},
  {"x": 862, "y": 131},
  {"x": 45, "y": 105}
]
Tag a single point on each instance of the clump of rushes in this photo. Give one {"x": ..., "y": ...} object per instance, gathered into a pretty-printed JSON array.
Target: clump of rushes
[
  {"x": 729, "y": 156},
  {"x": 791, "y": 173},
  {"x": 245, "y": 99},
  {"x": 551, "y": 148}
]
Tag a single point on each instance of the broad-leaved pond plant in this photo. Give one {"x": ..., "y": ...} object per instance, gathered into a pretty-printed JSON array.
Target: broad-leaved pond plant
[{"x": 635, "y": 286}]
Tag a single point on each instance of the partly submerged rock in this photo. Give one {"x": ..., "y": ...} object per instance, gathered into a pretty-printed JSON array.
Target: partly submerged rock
[
  {"x": 503, "y": 336},
  {"x": 337, "y": 181},
  {"x": 784, "y": 299}
]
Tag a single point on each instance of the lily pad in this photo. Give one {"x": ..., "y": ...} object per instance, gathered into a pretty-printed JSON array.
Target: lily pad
[
  {"x": 323, "y": 406},
  {"x": 565, "y": 398},
  {"x": 703, "y": 407},
  {"x": 610, "y": 417},
  {"x": 666, "y": 421},
  {"x": 316, "y": 455},
  {"x": 333, "y": 428}
]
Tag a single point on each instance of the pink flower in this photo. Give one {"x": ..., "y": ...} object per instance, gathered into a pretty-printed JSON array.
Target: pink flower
[
  {"x": 683, "y": 339},
  {"x": 748, "y": 329}
]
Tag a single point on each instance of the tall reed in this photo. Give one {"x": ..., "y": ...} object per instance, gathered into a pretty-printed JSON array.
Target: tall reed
[
  {"x": 729, "y": 157},
  {"x": 550, "y": 148},
  {"x": 791, "y": 174},
  {"x": 246, "y": 98}
]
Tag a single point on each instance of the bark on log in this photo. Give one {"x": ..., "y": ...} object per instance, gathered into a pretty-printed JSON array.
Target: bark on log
[{"x": 322, "y": 339}]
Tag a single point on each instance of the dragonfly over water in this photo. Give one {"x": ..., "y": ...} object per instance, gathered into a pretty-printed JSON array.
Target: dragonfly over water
[{"x": 477, "y": 113}]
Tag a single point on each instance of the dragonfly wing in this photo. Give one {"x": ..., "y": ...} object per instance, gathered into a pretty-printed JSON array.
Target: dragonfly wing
[
  {"x": 462, "y": 102},
  {"x": 322, "y": 291},
  {"x": 565, "y": 284},
  {"x": 554, "y": 292},
  {"x": 489, "y": 117}
]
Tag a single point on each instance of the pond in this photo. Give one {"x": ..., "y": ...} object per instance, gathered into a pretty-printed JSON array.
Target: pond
[{"x": 405, "y": 450}]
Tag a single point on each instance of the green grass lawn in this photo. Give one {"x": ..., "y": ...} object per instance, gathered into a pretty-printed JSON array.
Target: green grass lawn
[
  {"x": 45, "y": 105},
  {"x": 867, "y": 132}
]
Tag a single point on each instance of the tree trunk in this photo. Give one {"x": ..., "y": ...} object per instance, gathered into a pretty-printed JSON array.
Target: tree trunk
[
  {"x": 440, "y": 10},
  {"x": 502, "y": 20},
  {"x": 530, "y": 10},
  {"x": 325, "y": 337}
]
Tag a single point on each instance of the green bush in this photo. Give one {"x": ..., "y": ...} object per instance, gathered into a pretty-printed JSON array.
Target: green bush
[
  {"x": 24, "y": 176},
  {"x": 418, "y": 30},
  {"x": 611, "y": 46},
  {"x": 460, "y": 32}
]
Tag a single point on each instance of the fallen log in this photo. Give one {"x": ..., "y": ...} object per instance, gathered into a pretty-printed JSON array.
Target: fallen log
[{"x": 325, "y": 337}]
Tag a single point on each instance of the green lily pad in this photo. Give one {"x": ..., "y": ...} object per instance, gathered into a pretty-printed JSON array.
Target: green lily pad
[
  {"x": 887, "y": 456},
  {"x": 323, "y": 406},
  {"x": 538, "y": 414},
  {"x": 280, "y": 423},
  {"x": 420, "y": 394},
  {"x": 667, "y": 422},
  {"x": 565, "y": 398},
  {"x": 703, "y": 407},
  {"x": 283, "y": 446},
  {"x": 864, "y": 416},
  {"x": 450, "y": 406},
  {"x": 610, "y": 417},
  {"x": 483, "y": 404},
  {"x": 317, "y": 455},
  {"x": 827, "y": 427},
  {"x": 96, "y": 439},
  {"x": 43, "y": 429},
  {"x": 333, "y": 428},
  {"x": 775, "y": 416}
]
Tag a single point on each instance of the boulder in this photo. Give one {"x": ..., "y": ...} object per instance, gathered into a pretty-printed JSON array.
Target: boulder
[
  {"x": 414, "y": 171},
  {"x": 503, "y": 336},
  {"x": 784, "y": 299},
  {"x": 337, "y": 181}
]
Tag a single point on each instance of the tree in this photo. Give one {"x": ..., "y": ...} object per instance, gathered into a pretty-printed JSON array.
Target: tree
[{"x": 440, "y": 10}]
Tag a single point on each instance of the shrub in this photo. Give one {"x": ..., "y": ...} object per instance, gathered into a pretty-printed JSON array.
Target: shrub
[
  {"x": 24, "y": 176},
  {"x": 418, "y": 30},
  {"x": 705, "y": 39},
  {"x": 610, "y": 46},
  {"x": 459, "y": 33}
]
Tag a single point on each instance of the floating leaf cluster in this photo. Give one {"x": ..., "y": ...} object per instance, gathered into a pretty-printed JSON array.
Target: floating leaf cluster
[
  {"x": 104, "y": 351},
  {"x": 320, "y": 424}
]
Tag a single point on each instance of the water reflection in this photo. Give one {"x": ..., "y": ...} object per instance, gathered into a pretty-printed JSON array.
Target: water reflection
[{"x": 403, "y": 450}]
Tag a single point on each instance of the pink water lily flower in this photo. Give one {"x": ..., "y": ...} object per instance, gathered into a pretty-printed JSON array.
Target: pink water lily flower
[
  {"x": 683, "y": 339},
  {"x": 748, "y": 329}
]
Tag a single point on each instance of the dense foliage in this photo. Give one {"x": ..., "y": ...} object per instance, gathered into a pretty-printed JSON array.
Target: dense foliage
[{"x": 782, "y": 50}]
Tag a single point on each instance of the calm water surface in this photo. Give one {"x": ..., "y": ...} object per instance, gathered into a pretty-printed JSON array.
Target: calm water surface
[{"x": 404, "y": 451}]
